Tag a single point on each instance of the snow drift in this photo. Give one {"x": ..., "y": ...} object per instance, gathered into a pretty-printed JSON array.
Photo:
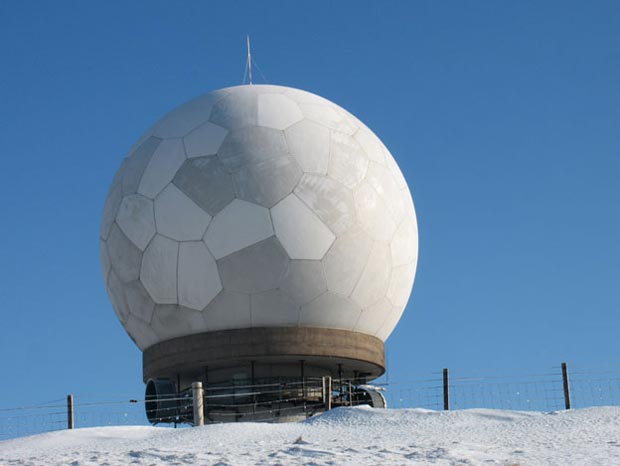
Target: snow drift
[{"x": 345, "y": 436}]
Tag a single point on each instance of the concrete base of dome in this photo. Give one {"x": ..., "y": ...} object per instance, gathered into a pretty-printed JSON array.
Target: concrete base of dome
[{"x": 265, "y": 353}]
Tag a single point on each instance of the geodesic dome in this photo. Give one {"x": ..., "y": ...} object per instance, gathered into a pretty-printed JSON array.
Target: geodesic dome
[{"x": 258, "y": 206}]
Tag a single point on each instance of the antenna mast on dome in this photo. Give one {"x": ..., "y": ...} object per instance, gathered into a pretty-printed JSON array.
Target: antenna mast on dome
[{"x": 249, "y": 59}]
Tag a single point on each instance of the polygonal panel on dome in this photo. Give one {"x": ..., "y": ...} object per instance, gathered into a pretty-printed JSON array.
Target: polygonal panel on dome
[
  {"x": 159, "y": 270},
  {"x": 301, "y": 232},
  {"x": 373, "y": 214},
  {"x": 381, "y": 179},
  {"x": 199, "y": 280},
  {"x": 273, "y": 308},
  {"x": 400, "y": 285},
  {"x": 170, "y": 321},
  {"x": 345, "y": 261},
  {"x": 251, "y": 145},
  {"x": 135, "y": 217},
  {"x": 372, "y": 318},
  {"x": 185, "y": 118},
  {"x": 105, "y": 259},
  {"x": 330, "y": 311},
  {"x": 237, "y": 110},
  {"x": 308, "y": 142},
  {"x": 124, "y": 256},
  {"x": 228, "y": 310},
  {"x": 329, "y": 116},
  {"x": 214, "y": 167},
  {"x": 257, "y": 268},
  {"x": 140, "y": 332},
  {"x": 304, "y": 281},
  {"x": 373, "y": 283},
  {"x": 116, "y": 292},
  {"x": 134, "y": 165},
  {"x": 389, "y": 324},
  {"x": 404, "y": 245},
  {"x": 147, "y": 134},
  {"x": 139, "y": 301},
  {"x": 113, "y": 200},
  {"x": 206, "y": 182},
  {"x": 277, "y": 111},
  {"x": 178, "y": 217},
  {"x": 371, "y": 144},
  {"x": 305, "y": 97},
  {"x": 347, "y": 161},
  {"x": 263, "y": 88},
  {"x": 239, "y": 225},
  {"x": 164, "y": 163},
  {"x": 267, "y": 182},
  {"x": 331, "y": 201},
  {"x": 205, "y": 140}
]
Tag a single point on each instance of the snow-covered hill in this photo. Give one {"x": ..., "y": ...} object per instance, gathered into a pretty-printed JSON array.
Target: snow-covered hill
[{"x": 345, "y": 436}]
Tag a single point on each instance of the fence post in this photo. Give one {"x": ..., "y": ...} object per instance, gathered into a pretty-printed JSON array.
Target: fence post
[
  {"x": 70, "y": 423},
  {"x": 446, "y": 391},
  {"x": 327, "y": 392},
  {"x": 198, "y": 403},
  {"x": 350, "y": 394},
  {"x": 566, "y": 386}
]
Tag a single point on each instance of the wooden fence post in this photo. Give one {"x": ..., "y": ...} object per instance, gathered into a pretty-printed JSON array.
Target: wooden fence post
[
  {"x": 446, "y": 391},
  {"x": 70, "y": 423},
  {"x": 350, "y": 394},
  {"x": 327, "y": 392},
  {"x": 566, "y": 386},
  {"x": 198, "y": 404}
]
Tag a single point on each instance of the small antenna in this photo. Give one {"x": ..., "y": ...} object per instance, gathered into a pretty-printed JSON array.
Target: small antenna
[{"x": 249, "y": 58}]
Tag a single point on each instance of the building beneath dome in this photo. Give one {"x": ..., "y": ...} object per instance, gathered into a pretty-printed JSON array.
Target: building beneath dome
[{"x": 259, "y": 233}]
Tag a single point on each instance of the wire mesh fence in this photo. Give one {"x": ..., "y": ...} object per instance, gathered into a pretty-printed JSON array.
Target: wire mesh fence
[
  {"x": 542, "y": 391},
  {"x": 51, "y": 416},
  {"x": 96, "y": 412},
  {"x": 536, "y": 394},
  {"x": 595, "y": 388},
  {"x": 27, "y": 420}
]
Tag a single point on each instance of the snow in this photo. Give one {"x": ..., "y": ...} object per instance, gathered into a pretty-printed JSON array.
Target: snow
[{"x": 345, "y": 436}]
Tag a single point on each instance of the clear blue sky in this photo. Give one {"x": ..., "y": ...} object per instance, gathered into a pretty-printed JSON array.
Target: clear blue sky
[{"x": 504, "y": 117}]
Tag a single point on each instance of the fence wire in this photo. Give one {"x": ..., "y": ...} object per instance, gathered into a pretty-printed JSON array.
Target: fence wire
[
  {"x": 525, "y": 392},
  {"x": 529, "y": 392},
  {"x": 29, "y": 420}
]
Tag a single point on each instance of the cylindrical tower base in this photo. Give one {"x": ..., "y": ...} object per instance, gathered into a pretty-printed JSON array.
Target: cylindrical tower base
[{"x": 257, "y": 353}]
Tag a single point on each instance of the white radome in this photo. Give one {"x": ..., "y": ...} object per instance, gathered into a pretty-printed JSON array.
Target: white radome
[{"x": 258, "y": 206}]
